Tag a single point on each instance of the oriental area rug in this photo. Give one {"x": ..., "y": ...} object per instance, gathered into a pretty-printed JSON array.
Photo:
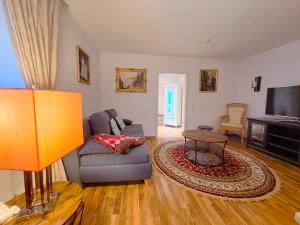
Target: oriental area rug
[{"x": 242, "y": 177}]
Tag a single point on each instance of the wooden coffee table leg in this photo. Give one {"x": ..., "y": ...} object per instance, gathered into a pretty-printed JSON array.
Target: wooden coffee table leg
[
  {"x": 184, "y": 152},
  {"x": 224, "y": 152},
  {"x": 196, "y": 150}
]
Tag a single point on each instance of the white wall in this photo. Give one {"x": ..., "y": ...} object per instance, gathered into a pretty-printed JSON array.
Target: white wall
[
  {"x": 202, "y": 108},
  {"x": 70, "y": 35},
  {"x": 278, "y": 67}
]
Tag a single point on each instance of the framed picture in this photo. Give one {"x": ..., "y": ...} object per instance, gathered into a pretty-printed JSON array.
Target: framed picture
[
  {"x": 131, "y": 80},
  {"x": 208, "y": 80},
  {"x": 83, "y": 66}
]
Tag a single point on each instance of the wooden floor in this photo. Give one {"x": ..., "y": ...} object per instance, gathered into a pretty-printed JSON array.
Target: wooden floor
[
  {"x": 159, "y": 201},
  {"x": 169, "y": 132}
]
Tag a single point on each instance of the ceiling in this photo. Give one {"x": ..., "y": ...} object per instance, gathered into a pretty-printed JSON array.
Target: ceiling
[{"x": 236, "y": 28}]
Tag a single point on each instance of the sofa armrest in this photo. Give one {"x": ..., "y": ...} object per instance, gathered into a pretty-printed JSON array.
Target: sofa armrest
[{"x": 71, "y": 165}]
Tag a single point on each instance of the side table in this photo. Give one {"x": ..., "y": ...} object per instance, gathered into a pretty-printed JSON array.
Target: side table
[{"x": 67, "y": 210}]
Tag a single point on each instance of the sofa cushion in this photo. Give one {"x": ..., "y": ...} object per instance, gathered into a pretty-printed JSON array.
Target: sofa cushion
[
  {"x": 100, "y": 123},
  {"x": 135, "y": 155},
  {"x": 87, "y": 130},
  {"x": 135, "y": 130},
  {"x": 120, "y": 123},
  {"x": 114, "y": 127},
  {"x": 112, "y": 113},
  {"x": 91, "y": 147}
]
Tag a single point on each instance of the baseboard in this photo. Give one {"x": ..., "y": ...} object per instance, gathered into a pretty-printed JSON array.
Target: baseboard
[{"x": 173, "y": 126}]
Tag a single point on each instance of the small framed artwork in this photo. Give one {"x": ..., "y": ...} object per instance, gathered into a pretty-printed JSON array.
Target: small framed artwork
[
  {"x": 131, "y": 80},
  {"x": 83, "y": 66},
  {"x": 256, "y": 84},
  {"x": 208, "y": 80}
]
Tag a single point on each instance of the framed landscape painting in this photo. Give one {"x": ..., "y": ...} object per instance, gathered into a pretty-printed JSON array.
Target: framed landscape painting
[
  {"x": 131, "y": 80},
  {"x": 83, "y": 66},
  {"x": 208, "y": 80}
]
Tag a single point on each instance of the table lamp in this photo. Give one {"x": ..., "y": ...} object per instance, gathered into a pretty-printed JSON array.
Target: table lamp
[{"x": 38, "y": 127}]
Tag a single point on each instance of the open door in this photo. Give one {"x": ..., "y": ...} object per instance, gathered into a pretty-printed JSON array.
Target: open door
[{"x": 173, "y": 106}]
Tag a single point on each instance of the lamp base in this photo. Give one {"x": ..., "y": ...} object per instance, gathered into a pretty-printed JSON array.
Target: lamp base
[
  {"x": 38, "y": 208},
  {"x": 38, "y": 200}
]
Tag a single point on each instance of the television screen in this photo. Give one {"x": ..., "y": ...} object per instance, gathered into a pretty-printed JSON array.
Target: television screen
[{"x": 283, "y": 101}]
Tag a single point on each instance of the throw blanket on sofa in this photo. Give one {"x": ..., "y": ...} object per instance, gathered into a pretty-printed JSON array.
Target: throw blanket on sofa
[{"x": 117, "y": 143}]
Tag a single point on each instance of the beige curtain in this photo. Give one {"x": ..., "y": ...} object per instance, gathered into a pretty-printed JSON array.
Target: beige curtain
[{"x": 34, "y": 26}]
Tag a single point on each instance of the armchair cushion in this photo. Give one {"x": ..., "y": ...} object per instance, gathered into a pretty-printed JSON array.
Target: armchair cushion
[
  {"x": 235, "y": 115},
  {"x": 232, "y": 125}
]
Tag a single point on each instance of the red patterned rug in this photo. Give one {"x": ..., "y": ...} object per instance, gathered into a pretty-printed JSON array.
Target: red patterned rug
[{"x": 242, "y": 177}]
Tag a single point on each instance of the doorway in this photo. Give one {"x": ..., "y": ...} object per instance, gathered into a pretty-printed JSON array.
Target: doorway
[{"x": 171, "y": 104}]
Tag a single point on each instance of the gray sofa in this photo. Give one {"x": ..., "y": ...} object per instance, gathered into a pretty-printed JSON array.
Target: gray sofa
[{"x": 106, "y": 167}]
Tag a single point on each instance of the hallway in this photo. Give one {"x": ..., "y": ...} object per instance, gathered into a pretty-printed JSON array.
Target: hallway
[{"x": 169, "y": 132}]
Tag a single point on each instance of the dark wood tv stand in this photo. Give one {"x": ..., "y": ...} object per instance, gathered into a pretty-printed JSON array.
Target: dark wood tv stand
[{"x": 277, "y": 137}]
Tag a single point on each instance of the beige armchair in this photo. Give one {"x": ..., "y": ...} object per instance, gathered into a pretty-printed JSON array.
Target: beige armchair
[{"x": 235, "y": 120}]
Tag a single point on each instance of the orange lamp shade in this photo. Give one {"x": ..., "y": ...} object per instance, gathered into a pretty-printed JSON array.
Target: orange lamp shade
[{"x": 38, "y": 127}]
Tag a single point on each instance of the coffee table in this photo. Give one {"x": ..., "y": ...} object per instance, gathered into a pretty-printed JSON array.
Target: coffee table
[{"x": 207, "y": 144}]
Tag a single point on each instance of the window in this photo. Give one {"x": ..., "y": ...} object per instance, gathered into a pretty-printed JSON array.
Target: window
[{"x": 10, "y": 75}]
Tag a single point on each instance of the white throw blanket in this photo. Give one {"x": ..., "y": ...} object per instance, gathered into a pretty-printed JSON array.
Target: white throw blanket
[{"x": 7, "y": 213}]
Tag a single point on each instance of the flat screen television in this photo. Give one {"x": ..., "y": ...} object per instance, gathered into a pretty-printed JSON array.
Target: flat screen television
[{"x": 283, "y": 101}]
